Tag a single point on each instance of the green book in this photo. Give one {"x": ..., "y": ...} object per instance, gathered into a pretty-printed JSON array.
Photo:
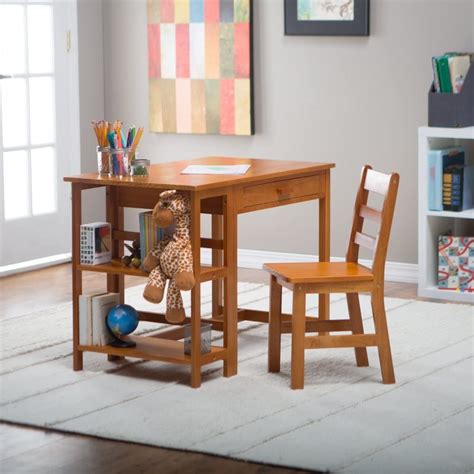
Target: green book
[{"x": 444, "y": 74}]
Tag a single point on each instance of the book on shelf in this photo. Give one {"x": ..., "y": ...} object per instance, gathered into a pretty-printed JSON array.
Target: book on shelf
[
  {"x": 436, "y": 83},
  {"x": 85, "y": 319},
  {"x": 458, "y": 67},
  {"x": 93, "y": 311},
  {"x": 452, "y": 188},
  {"x": 101, "y": 305},
  {"x": 468, "y": 188},
  {"x": 458, "y": 188},
  {"x": 150, "y": 234},
  {"x": 444, "y": 74},
  {"x": 450, "y": 71},
  {"x": 438, "y": 160},
  {"x": 96, "y": 243}
]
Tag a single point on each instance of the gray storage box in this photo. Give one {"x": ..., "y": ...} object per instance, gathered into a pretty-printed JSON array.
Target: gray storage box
[{"x": 453, "y": 110}]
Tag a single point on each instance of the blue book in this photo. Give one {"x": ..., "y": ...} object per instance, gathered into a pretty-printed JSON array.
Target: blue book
[
  {"x": 438, "y": 160},
  {"x": 468, "y": 188}
]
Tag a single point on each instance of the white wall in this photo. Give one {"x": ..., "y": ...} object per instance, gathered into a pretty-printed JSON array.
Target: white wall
[
  {"x": 347, "y": 100},
  {"x": 91, "y": 96}
]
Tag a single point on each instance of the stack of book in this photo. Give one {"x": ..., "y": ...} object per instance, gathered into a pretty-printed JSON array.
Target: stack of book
[
  {"x": 450, "y": 181},
  {"x": 450, "y": 71},
  {"x": 150, "y": 234},
  {"x": 93, "y": 311}
]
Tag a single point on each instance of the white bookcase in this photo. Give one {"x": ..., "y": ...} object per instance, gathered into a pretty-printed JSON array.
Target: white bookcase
[{"x": 433, "y": 223}]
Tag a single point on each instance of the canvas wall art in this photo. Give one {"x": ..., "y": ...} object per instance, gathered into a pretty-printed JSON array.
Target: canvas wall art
[
  {"x": 327, "y": 17},
  {"x": 200, "y": 66}
]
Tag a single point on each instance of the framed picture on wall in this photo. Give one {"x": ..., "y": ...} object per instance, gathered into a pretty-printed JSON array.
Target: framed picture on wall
[{"x": 327, "y": 17}]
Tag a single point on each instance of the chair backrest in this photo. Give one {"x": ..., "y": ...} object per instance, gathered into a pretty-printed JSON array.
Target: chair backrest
[{"x": 387, "y": 186}]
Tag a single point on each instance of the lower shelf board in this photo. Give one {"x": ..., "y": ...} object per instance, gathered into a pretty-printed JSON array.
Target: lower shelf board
[
  {"x": 151, "y": 348},
  {"x": 115, "y": 267}
]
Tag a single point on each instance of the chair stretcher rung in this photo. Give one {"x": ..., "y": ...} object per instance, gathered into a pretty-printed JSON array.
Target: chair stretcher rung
[
  {"x": 355, "y": 340},
  {"x": 319, "y": 326}
]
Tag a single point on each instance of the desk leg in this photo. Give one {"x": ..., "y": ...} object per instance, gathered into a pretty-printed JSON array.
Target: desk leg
[
  {"x": 196, "y": 292},
  {"x": 76, "y": 274},
  {"x": 114, "y": 215},
  {"x": 324, "y": 239},
  {"x": 217, "y": 261},
  {"x": 230, "y": 285}
]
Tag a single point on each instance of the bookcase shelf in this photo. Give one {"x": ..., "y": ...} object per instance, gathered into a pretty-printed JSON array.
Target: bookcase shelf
[
  {"x": 116, "y": 268},
  {"x": 431, "y": 224},
  {"x": 468, "y": 214}
]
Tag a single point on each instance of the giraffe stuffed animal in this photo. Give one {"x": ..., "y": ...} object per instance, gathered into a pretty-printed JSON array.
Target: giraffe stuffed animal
[{"x": 172, "y": 258}]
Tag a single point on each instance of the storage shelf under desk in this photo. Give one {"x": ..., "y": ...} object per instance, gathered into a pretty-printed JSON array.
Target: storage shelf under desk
[
  {"x": 115, "y": 267},
  {"x": 152, "y": 348}
]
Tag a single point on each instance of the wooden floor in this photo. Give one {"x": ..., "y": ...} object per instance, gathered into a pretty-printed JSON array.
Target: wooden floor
[{"x": 31, "y": 450}]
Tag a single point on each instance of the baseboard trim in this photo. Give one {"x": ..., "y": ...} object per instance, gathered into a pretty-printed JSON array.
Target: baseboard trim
[
  {"x": 394, "y": 271},
  {"x": 34, "y": 264}
]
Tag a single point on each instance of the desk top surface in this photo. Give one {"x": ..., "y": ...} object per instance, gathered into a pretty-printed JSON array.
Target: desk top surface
[{"x": 168, "y": 175}]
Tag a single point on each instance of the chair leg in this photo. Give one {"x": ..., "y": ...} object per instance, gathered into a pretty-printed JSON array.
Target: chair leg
[
  {"x": 381, "y": 329},
  {"x": 274, "y": 327},
  {"x": 297, "y": 338},
  {"x": 353, "y": 307}
]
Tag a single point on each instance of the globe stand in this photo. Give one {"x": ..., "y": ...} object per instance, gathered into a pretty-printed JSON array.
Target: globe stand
[{"x": 121, "y": 343}]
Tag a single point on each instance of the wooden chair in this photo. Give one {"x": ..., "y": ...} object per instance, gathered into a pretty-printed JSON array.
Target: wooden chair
[{"x": 343, "y": 277}]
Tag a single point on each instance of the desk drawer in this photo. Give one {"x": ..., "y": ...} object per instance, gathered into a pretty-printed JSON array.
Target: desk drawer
[{"x": 277, "y": 193}]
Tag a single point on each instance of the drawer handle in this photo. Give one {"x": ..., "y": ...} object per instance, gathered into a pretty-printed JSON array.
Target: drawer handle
[{"x": 282, "y": 194}]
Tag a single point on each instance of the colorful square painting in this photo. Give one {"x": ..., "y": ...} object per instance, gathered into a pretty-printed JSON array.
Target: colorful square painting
[{"x": 200, "y": 66}]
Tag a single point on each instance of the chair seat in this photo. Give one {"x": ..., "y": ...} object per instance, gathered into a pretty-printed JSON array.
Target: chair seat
[{"x": 323, "y": 272}]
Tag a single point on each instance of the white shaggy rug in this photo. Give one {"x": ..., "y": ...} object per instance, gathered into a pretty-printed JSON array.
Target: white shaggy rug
[{"x": 344, "y": 420}]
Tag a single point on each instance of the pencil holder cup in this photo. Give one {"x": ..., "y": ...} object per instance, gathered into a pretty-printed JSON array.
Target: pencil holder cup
[
  {"x": 103, "y": 160},
  {"x": 119, "y": 163},
  {"x": 140, "y": 166},
  {"x": 205, "y": 338}
]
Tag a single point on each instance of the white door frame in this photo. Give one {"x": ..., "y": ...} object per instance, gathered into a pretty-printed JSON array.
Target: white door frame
[{"x": 66, "y": 37}]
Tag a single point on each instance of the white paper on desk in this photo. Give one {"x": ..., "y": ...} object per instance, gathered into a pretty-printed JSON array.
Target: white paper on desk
[{"x": 216, "y": 169}]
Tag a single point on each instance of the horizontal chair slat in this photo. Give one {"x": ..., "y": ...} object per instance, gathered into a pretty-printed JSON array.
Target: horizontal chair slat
[
  {"x": 377, "y": 182},
  {"x": 364, "y": 240},
  {"x": 356, "y": 340},
  {"x": 369, "y": 213}
]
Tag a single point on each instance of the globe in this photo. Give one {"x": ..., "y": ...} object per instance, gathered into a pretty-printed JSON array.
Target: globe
[{"x": 122, "y": 319}]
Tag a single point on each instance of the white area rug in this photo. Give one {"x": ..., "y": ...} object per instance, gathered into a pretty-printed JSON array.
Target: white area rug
[{"x": 344, "y": 420}]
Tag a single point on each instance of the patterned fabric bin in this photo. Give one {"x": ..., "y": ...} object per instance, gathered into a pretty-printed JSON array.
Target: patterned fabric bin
[{"x": 456, "y": 263}]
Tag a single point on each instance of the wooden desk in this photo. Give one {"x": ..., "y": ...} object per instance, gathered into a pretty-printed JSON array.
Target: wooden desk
[{"x": 267, "y": 184}]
